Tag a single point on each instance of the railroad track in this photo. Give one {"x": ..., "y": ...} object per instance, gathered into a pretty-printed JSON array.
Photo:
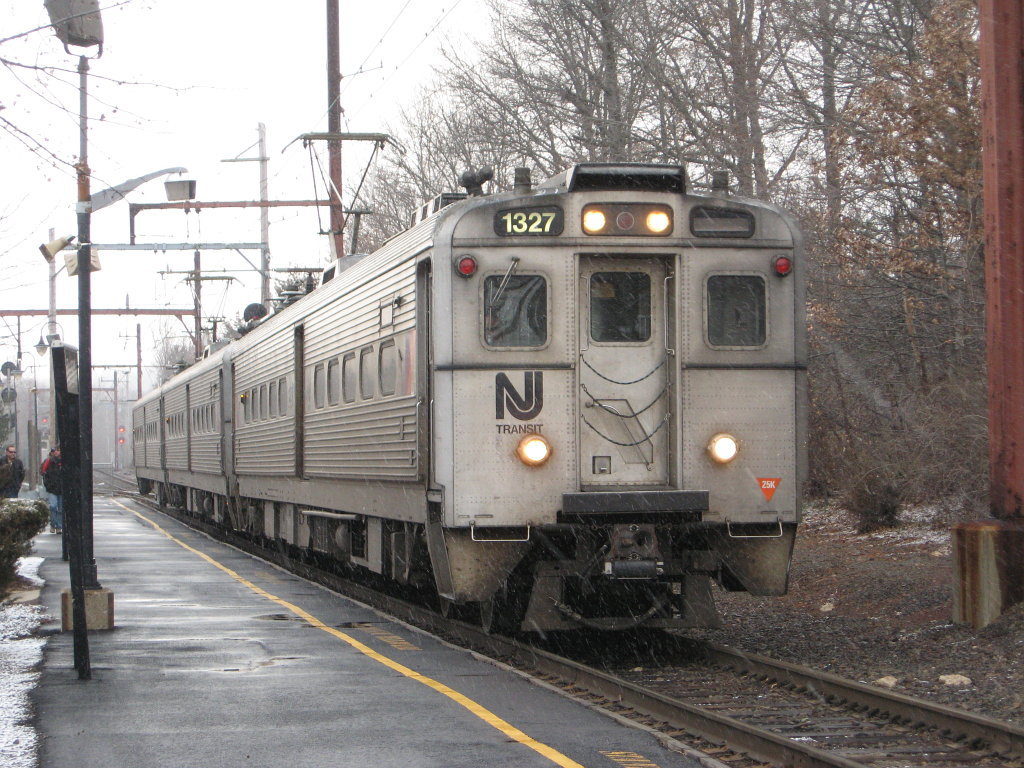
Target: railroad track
[{"x": 744, "y": 709}]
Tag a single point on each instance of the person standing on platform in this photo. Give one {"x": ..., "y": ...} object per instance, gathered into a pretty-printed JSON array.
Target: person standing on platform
[
  {"x": 51, "y": 482},
  {"x": 12, "y": 487}
]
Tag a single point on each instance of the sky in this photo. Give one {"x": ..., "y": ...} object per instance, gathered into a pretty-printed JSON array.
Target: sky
[{"x": 185, "y": 83}]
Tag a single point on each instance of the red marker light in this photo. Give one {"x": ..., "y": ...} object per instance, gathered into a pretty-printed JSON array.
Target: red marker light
[
  {"x": 782, "y": 265},
  {"x": 625, "y": 221},
  {"x": 466, "y": 266}
]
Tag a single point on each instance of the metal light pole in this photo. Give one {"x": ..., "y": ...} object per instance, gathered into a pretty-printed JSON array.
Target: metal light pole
[
  {"x": 78, "y": 23},
  {"x": 85, "y": 330}
]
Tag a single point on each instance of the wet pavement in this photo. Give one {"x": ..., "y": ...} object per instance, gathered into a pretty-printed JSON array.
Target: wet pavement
[{"x": 221, "y": 660}]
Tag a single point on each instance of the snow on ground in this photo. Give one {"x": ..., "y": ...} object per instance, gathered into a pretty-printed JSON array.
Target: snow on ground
[
  {"x": 21, "y": 653},
  {"x": 922, "y": 525}
]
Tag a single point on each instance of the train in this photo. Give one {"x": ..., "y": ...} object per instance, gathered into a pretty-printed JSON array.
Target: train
[{"x": 576, "y": 404}]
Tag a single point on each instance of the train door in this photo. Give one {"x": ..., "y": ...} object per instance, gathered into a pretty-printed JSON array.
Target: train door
[{"x": 624, "y": 372}]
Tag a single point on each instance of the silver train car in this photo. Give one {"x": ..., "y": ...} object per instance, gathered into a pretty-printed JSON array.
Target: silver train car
[{"x": 576, "y": 404}]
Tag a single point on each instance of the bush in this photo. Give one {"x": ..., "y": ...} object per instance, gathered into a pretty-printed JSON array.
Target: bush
[
  {"x": 20, "y": 520},
  {"x": 875, "y": 500}
]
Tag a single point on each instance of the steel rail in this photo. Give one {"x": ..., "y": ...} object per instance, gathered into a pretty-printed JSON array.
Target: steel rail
[
  {"x": 758, "y": 743},
  {"x": 1001, "y": 737}
]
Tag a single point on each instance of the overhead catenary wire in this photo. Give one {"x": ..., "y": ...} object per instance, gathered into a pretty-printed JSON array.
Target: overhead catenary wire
[
  {"x": 377, "y": 45},
  {"x": 412, "y": 51}
]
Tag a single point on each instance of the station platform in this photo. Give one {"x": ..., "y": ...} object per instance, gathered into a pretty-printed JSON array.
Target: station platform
[{"x": 221, "y": 660}]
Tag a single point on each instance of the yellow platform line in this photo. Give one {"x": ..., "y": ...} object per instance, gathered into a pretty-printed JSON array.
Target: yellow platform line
[{"x": 462, "y": 700}]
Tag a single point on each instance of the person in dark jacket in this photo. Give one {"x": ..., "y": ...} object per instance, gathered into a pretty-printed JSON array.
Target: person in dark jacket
[
  {"x": 12, "y": 487},
  {"x": 51, "y": 482}
]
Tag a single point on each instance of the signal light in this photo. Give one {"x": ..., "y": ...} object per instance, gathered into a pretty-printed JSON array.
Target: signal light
[
  {"x": 625, "y": 221},
  {"x": 466, "y": 266},
  {"x": 120, "y": 441},
  {"x": 782, "y": 265},
  {"x": 120, "y": 429}
]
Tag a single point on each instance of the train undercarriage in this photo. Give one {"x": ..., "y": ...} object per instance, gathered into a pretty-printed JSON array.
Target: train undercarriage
[{"x": 602, "y": 575}]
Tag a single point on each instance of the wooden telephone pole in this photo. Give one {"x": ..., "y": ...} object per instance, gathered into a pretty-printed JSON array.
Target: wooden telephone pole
[
  {"x": 334, "y": 127},
  {"x": 989, "y": 554}
]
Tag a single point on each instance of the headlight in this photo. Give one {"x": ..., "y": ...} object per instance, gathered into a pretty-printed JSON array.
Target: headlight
[
  {"x": 723, "y": 448},
  {"x": 533, "y": 450},
  {"x": 658, "y": 221},
  {"x": 594, "y": 221}
]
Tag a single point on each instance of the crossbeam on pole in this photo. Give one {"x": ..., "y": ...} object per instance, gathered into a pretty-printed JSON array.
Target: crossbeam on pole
[
  {"x": 172, "y": 247},
  {"x": 172, "y": 311}
]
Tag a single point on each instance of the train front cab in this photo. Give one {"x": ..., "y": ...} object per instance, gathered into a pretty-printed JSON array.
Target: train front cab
[{"x": 637, "y": 360}]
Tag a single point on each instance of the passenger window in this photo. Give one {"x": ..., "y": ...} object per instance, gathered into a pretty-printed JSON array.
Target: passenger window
[
  {"x": 736, "y": 311},
  {"x": 388, "y": 365},
  {"x": 620, "y": 306},
  {"x": 333, "y": 381},
  {"x": 348, "y": 377},
  {"x": 366, "y": 373},
  {"x": 263, "y": 401},
  {"x": 318, "y": 386},
  {"x": 273, "y": 399},
  {"x": 282, "y": 394},
  {"x": 516, "y": 315}
]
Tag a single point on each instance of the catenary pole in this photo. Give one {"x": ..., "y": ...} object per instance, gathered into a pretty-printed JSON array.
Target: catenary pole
[
  {"x": 138, "y": 360},
  {"x": 197, "y": 288},
  {"x": 337, "y": 217},
  {"x": 264, "y": 220}
]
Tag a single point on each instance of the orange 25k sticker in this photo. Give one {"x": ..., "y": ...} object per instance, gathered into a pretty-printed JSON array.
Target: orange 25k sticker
[{"x": 768, "y": 486}]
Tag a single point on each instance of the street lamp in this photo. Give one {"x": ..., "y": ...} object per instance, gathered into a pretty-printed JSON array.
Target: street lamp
[{"x": 77, "y": 22}]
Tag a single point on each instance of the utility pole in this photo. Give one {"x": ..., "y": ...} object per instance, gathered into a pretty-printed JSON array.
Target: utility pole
[
  {"x": 195, "y": 276},
  {"x": 197, "y": 291},
  {"x": 138, "y": 359},
  {"x": 337, "y": 216},
  {"x": 264, "y": 221},
  {"x": 264, "y": 205},
  {"x": 117, "y": 421},
  {"x": 988, "y": 555}
]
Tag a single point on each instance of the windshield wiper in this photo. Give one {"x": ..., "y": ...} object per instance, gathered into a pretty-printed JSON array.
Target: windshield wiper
[{"x": 504, "y": 281}]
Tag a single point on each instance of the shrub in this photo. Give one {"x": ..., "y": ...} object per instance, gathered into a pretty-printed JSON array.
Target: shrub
[
  {"x": 875, "y": 500},
  {"x": 20, "y": 520}
]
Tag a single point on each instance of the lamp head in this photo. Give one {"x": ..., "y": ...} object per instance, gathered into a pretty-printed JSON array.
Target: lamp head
[{"x": 52, "y": 248}]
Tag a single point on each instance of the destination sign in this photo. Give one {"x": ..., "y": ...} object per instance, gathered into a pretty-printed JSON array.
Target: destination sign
[{"x": 525, "y": 222}]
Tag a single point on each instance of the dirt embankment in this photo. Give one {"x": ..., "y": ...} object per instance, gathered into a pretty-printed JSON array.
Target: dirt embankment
[{"x": 877, "y": 607}]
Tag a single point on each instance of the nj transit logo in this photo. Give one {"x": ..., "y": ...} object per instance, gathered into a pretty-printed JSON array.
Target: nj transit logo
[{"x": 520, "y": 406}]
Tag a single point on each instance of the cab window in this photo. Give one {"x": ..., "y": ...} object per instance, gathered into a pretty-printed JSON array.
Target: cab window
[
  {"x": 620, "y": 306},
  {"x": 515, "y": 315}
]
